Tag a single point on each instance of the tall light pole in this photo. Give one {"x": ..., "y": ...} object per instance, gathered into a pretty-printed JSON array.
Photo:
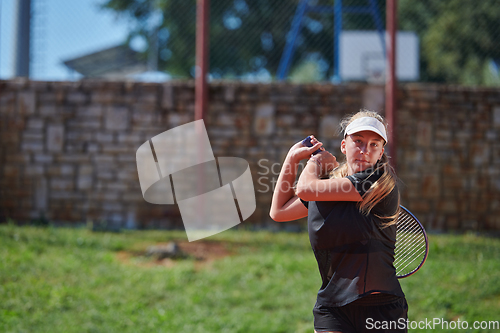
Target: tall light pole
[
  {"x": 202, "y": 32},
  {"x": 391, "y": 81},
  {"x": 22, "y": 38}
]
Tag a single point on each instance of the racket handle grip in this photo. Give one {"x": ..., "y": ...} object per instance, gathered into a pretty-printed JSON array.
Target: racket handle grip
[{"x": 307, "y": 142}]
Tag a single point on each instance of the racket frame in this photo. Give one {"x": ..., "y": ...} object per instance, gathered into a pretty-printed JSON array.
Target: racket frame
[{"x": 426, "y": 244}]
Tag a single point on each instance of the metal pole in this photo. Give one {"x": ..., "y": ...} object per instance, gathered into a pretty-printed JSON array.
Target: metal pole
[
  {"x": 201, "y": 93},
  {"x": 153, "y": 38},
  {"x": 390, "y": 85},
  {"x": 202, "y": 29},
  {"x": 22, "y": 46},
  {"x": 337, "y": 30},
  {"x": 286, "y": 58}
]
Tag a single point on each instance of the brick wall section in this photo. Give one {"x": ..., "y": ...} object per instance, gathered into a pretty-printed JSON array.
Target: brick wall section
[
  {"x": 67, "y": 149},
  {"x": 450, "y": 155}
]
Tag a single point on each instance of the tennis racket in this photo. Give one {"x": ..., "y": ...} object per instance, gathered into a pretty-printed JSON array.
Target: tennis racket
[{"x": 412, "y": 245}]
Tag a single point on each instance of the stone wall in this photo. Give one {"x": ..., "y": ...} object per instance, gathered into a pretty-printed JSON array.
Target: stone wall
[{"x": 67, "y": 149}]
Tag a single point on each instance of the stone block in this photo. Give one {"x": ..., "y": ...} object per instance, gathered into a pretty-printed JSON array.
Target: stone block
[
  {"x": 424, "y": 133},
  {"x": 117, "y": 118},
  {"x": 55, "y": 138},
  {"x": 126, "y": 158},
  {"x": 41, "y": 194},
  {"x": 452, "y": 222},
  {"x": 60, "y": 170},
  {"x": 85, "y": 177},
  {"x": 26, "y": 102},
  {"x": 101, "y": 159},
  {"x": 176, "y": 119},
  {"x": 80, "y": 136},
  {"x": 90, "y": 111},
  {"x": 225, "y": 119},
  {"x": 496, "y": 116},
  {"x": 93, "y": 148},
  {"x": 141, "y": 117},
  {"x": 59, "y": 195},
  {"x": 18, "y": 158},
  {"x": 107, "y": 196},
  {"x": 87, "y": 123},
  {"x": 374, "y": 98},
  {"x": 229, "y": 93},
  {"x": 60, "y": 184},
  {"x": 11, "y": 171},
  {"x": 329, "y": 128},
  {"x": 117, "y": 186},
  {"x": 285, "y": 121},
  {"x": 77, "y": 97},
  {"x": 431, "y": 186},
  {"x": 111, "y": 206},
  {"x": 167, "y": 98},
  {"x": 73, "y": 158},
  {"x": 115, "y": 149},
  {"x": 74, "y": 148},
  {"x": 7, "y": 99},
  {"x": 124, "y": 175},
  {"x": 43, "y": 158},
  {"x": 133, "y": 197},
  {"x": 135, "y": 138},
  {"x": 264, "y": 123},
  {"x": 103, "y": 137},
  {"x": 103, "y": 97},
  {"x": 224, "y": 132},
  {"x": 32, "y": 135},
  {"x": 34, "y": 170},
  {"x": 35, "y": 124},
  {"x": 480, "y": 154},
  {"x": 147, "y": 98},
  {"x": 103, "y": 174},
  {"x": 32, "y": 146},
  {"x": 48, "y": 110}
]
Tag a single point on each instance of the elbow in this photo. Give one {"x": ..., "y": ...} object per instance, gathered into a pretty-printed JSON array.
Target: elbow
[
  {"x": 303, "y": 192},
  {"x": 275, "y": 216},
  {"x": 278, "y": 216},
  {"x": 300, "y": 189},
  {"x": 300, "y": 192}
]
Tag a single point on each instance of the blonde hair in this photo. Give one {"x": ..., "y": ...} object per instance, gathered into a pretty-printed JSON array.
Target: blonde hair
[{"x": 384, "y": 185}]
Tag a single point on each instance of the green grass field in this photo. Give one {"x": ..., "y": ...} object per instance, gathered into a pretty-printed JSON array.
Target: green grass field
[{"x": 71, "y": 280}]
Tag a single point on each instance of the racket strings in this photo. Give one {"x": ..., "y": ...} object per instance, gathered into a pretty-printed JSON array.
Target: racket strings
[
  {"x": 413, "y": 243},
  {"x": 408, "y": 259},
  {"x": 410, "y": 244},
  {"x": 409, "y": 233}
]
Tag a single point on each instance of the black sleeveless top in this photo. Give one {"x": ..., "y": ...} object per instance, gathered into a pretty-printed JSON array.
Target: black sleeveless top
[{"x": 355, "y": 255}]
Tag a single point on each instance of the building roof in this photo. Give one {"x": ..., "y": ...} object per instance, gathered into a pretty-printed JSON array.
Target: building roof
[{"x": 118, "y": 61}]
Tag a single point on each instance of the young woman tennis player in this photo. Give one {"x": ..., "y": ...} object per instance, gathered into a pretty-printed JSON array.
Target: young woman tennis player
[{"x": 351, "y": 222}]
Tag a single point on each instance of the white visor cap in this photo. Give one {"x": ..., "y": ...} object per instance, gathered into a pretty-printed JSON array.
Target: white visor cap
[{"x": 366, "y": 124}]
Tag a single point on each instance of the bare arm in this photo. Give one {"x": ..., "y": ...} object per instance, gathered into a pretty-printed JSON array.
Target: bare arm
[
  {"x": 286, "y": 205},
  {"x": 311, "y": 187}
]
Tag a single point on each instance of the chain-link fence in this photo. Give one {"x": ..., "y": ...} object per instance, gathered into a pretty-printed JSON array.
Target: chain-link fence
[
  {"x": 448, "y": 41},
  {"x": 459, "y": 39},
  {"x": 60, "y": 31}
]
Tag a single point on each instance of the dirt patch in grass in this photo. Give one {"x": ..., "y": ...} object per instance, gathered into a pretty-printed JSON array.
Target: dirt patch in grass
[{"x": 203, "y": 252}]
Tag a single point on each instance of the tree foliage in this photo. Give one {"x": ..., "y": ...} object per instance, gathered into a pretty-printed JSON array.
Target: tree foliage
[
  {"x": 246, "y": 36},
  {"x": 458, "y": 38}
]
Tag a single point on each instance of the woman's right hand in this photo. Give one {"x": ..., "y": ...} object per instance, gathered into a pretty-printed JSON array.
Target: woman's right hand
[{"x": 299, "y": 152}]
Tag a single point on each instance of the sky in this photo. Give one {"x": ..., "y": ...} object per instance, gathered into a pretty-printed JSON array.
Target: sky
[{"x": 64, "y": 29}]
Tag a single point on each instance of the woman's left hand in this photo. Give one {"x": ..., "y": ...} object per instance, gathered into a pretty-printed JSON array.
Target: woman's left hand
[{"x": 326, "y": 160}]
